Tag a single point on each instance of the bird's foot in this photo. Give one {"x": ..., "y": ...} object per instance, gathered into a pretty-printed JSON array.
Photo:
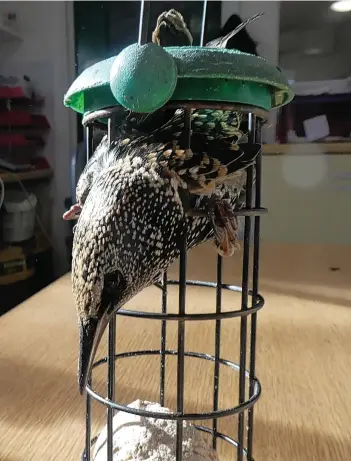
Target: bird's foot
[
  {"x": 225, "y": 226},
  {"x": 72, "y": 213}
]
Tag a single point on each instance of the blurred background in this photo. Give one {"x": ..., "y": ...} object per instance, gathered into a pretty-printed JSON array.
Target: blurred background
[{"x": 307, "y": 145}]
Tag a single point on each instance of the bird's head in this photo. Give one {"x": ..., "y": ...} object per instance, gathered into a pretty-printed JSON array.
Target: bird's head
[
  {"x": 171, "y": 30},
  {"x": 98, "y": 280},
  {"x": 97, "y": 292},
  {"x": 126, "y": 236}
]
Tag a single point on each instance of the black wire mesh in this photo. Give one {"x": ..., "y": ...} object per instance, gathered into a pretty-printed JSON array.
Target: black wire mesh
[
  {"x": 247, "y": 313},
  {"x": 247, "y": 341}
]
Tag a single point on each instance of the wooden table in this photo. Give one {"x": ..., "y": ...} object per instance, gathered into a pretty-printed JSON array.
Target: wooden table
[{"x": 303, "y": 360}]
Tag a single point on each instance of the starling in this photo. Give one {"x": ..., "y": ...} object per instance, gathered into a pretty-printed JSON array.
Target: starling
[
  {"x": 139, "y": 196},
  {"x": 134, "y": 216}
]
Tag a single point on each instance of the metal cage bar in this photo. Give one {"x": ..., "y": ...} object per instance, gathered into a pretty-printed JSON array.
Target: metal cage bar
[
  {"x": 181, "y": 310},
  {"x": 163, "y": 341},
  {"x": 175, "y": 416},
  {"x": 86, "y": 454},
  {"x": 255, "y": 277},
  {"x": 217, "y": 349},
  {"x": 245, "y": 298},
  {"x": 111, "y": 378},
  {"x": 181, "y": 348}
]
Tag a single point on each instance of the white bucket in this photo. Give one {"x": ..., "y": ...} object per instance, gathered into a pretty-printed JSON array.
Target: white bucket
[{"x": 19, "y": 218}]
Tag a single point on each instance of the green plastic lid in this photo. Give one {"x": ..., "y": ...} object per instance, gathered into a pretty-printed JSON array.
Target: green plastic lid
[{"x": 144, "y": 78}]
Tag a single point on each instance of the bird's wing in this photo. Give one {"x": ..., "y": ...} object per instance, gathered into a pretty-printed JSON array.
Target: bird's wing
[
  {"x": 194, "y": 169},
  {"x": 213, "y": 131},
  {"x": 218, "y": 124}
]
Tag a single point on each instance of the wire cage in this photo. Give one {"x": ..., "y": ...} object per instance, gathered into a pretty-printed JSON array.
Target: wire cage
[
  {"x": 249, "y": 388},
  {"x": 248, "y": 321}
]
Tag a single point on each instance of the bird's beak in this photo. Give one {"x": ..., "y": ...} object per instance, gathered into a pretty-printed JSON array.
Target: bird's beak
[{"x": 90, "y": 333}]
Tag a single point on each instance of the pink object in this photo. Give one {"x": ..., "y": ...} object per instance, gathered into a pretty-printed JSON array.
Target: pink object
[{"x": 72, "y": 213}]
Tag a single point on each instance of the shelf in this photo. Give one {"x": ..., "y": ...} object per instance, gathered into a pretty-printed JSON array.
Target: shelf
[
  {"x": 329, "y": 148},
  {"x": 17, "y": 140},
  {"x": 14, "y": 93},
  {"x": 19, "y": 96},
  {"x": 35, "y": 175},
  {"x": 9, "y": 35},
  {"x": 19, "y": 119}
]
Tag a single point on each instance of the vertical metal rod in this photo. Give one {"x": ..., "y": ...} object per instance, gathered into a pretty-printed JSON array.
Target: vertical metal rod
[
  {"x": 89, "y": 136},
  {"x": 255, "y": 274},
  {"x": 89, "y": 131},
  {"x": 244, "y": 306},
  {"x": 144, "y": 22},
  {"x": 87, "y": 424},
  {"x": 203, "y": 23},
  {"x": 163, "y": 341},
  {"x": 182, "y": 297},
  {"x": 111, "y": 378},
  {"x": 181, "y": 345},
  {"x": 186, "y": 135},
  {"x": 111, "y": 128},
  {"x": 217, "y": 349}
]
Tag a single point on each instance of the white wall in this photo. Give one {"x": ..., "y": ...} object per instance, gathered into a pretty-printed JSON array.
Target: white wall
[
  {"x": 334, "y": 41},
  {"x": 308, "y": 197},
  {"x": 314, "y": 26},
  {"x": 314, "y": 68},
  {"x": 265, "y": 31},
  {"x": 46, "y": 55}
]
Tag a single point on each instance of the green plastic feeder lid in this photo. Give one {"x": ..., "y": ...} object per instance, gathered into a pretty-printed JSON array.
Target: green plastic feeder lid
[{"x": 144, "y": 78}]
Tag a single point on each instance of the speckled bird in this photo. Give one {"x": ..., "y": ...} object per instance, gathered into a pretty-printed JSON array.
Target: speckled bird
[
  {"x": 136, "y": 200},
  {"x": 131, "y": 225}
]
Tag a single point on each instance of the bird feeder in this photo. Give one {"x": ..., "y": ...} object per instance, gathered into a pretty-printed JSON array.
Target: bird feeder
[{"x": 144, "y": 78}]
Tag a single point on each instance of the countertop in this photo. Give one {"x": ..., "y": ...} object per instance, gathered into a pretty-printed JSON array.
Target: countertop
[
  {"x": 303, "y": 360},
  {"x": 330, "y": 148}
]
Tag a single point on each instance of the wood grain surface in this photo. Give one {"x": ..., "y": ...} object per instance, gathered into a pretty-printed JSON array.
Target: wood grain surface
[{"x": 303, "y": 360}]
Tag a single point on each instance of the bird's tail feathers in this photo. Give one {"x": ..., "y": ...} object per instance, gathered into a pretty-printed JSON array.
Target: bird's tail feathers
[
  {"x": 222, "y": 42},
  {"x": 241, "y": 26}
]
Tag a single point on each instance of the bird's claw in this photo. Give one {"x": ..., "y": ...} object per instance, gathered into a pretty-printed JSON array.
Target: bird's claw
[
  {"x": 72, "y": 213},
  {"x": 225, "y": 226}
]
